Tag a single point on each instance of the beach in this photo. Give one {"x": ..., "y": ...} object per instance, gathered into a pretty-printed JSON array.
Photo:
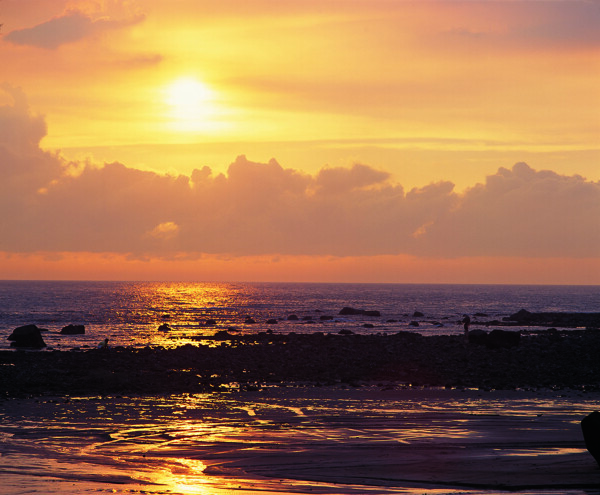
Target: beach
[
  {"x": 296, "y": 439},
  {"x": 304, "y": 414}
]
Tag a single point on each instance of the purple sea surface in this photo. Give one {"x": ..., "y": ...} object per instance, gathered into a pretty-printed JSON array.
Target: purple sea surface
[{"x": 129, "y": 313}]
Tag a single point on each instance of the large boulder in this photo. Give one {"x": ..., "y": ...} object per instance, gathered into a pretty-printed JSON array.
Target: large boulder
[
  {"x": 590, "y": 425},
  {"x": 502, "y": 339},
  {"x": 27, "y": 336},
  {"x": 73, "y": 330}
]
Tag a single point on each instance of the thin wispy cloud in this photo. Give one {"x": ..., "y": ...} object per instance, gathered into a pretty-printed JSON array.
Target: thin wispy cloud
[{"x": 71, "y": 27}]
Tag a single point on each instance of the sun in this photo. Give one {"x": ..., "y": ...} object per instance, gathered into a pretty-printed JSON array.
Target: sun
[{"x": 191, "y": 105}]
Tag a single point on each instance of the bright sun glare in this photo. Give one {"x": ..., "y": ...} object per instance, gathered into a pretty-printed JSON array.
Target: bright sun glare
[{"x": 191, "y": 105}]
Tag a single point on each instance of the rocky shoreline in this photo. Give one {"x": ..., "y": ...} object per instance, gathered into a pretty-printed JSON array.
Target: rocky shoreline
[{"x": 541, "y": 359}]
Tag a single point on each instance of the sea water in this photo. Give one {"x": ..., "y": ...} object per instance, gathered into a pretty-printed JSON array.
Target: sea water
[
  {"x": 286, "y": 439},
  {"x": 130, "y": 313}
]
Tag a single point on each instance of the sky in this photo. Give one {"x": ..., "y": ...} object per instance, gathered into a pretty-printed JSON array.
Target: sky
[{"x": 333, "y": 141}]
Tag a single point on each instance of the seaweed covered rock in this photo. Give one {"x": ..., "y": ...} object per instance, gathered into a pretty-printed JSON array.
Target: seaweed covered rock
[
  {"x": 477, "y": 336},
  {"x": 502, "y": 339}
]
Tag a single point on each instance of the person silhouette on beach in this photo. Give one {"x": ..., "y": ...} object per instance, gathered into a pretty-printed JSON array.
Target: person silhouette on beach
[
  {"x": 466, "y": 322},
  {"x": 103, "y": 344}
]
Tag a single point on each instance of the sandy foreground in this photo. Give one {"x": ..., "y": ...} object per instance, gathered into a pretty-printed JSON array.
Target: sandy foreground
[{"x": 295, "y": 439}]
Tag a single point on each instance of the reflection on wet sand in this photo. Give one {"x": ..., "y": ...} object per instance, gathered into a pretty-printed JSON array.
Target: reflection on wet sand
[{"x": 299, "y": 440}]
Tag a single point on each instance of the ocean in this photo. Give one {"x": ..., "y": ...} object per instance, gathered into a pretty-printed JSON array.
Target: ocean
[
  {"x": 288, "y": 438},
  {"x": 130, "y": 313}
]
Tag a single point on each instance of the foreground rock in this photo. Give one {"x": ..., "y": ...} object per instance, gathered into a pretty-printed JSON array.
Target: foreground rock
[
  {"x": 502, "y": 339},
  {"x": 27, "y": 336},
  {"x": 543, "y": 359},
  {"x": 590, "y": 425}
]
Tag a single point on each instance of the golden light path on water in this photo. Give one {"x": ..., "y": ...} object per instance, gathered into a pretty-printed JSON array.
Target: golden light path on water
[
  {"x": 329, "y": 440},
  {"x": 130, "y": 314},
  {"x": 183, "y": 309}
]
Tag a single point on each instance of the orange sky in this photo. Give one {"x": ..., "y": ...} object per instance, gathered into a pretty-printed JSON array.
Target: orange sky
[{"x": 363, "y": 140}]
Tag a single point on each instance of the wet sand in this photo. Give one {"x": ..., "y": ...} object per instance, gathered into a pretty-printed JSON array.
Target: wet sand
[{"x": 297, "y": 439}]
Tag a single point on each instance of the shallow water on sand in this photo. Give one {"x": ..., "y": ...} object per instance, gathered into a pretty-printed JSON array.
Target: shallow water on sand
[{"x": 300, "y": 440}]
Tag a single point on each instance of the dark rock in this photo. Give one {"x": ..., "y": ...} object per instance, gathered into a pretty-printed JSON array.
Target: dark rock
[
  {"x": 27, "y": 336},
  {"x": 567, "y": 320},
  {"x": 210, "y": 322},
  {"x": 590, "y": 425},
  {"x": 502, "y": 339},
  {"x": 522, "y": 316},
  {"x": 413, "y": 324},
  {"x": 249, "y": 321},
  {"x": 405, "y": 357},
  {"x": 271, "y": 321},
  {"x": 478, "y": 337},
  {"x": 325, "y": 317},
  {"x": 345, "y": 331},
  {"x": 164, "y": 328},
  {"x": 368, "y": 325},
  {"x": 353, "y": 312},
  {"x": 346, "y": 311},
  {"x": 418, "y": 314},
  {"x": 480, "y": 315},
  {"x": 293, "y": 318},
  {"x": 73, "y": 330}
]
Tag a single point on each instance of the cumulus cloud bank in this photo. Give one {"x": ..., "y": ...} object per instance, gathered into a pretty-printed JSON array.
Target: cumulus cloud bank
[{"x": 263, "y": 208}]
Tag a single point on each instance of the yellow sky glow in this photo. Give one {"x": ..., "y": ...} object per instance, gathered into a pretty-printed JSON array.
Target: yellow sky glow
[{"x": 423, "y": 93}]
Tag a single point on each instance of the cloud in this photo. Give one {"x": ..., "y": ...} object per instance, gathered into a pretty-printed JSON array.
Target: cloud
[
  {"x": 20, "y": 130},
  {"x": 266, "y": 209},
  {"x": 71, "y": 27},
  {"x": 165, "y": 230},
  {"x": 344, "y": 180},
  {"x": 520, "y": 212}
]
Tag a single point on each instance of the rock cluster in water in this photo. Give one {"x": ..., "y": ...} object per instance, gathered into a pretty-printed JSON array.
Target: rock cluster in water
[{"x": 565, "y": 320}]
